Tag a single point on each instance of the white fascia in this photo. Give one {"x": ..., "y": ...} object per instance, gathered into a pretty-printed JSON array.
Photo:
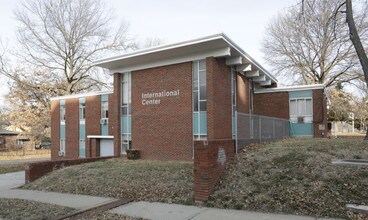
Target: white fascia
[
  {"x": 291, "y": 88},
  {"x": 81, "y": 95}
]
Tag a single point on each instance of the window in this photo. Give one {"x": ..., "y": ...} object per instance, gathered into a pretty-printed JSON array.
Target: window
[
  {"x": 233, "y": 101},
  {"x": 62, "y": 114},
  {"x": 82, "y": 111},
  {"x": 301, "y": 107},
  {"x": 104, "y": 109},
  {"x": 199, "y": 100},
  {"x": 2, "y": 140},
  {"x": 21, "y": 141},
  {"x": 62, "y": 146},
  {"x": 126, "y": 127}
]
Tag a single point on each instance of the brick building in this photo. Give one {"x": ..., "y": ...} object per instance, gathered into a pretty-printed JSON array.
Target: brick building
[{"x": 168, "y": 99}]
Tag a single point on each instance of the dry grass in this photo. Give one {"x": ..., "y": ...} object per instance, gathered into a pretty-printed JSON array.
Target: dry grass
[
  {"x": 25, "y": 209},
  {"x": 8, "y": 168},
  {"x": 295, "y": 176},
  {"x": 170, "y": 182}
]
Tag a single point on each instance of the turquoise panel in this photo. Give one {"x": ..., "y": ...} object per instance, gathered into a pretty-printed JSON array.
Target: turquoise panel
[
  {"x": 82, "y": 100},
  {"x": 104, "y": 129},
  {"x": 62, "y": 131},
  {"x": 62, "y": 102},
  {"x": 126, "y": 124},
  {"x": 301, "y": 129},
  {"x": 82, "y": 131},
  {"x": 203, "y": 123},
  {"x": 104, "y": 98},
  {"x": 195, "y": 123},
  {"x": 82, "y": 152},
  {"x": 300, "y": 94}
]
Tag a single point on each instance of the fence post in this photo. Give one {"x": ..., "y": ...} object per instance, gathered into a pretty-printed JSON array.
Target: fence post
[{"x": 260, "y": 129}]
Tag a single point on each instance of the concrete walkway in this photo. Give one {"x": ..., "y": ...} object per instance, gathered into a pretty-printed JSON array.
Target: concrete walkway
[
  {"x": 162, "y": 211},
  {"x": 12, "y": 180},
  {"x": 147, "y": 210}
]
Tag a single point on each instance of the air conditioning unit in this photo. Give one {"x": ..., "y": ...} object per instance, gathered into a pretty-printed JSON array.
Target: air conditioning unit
[
  {"x": 104, "y": 121},
  {"x": 61, "y": 153}
]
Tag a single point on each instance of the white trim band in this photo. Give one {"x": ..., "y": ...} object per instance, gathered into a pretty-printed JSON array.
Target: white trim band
[
  {"x": 81, "y": 95},
  {"x": 101, "y": 136},
  {"x": 290, "y": 88}
]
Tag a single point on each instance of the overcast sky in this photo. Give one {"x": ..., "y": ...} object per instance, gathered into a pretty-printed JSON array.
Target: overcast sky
[{"x": 243, "y": 21}]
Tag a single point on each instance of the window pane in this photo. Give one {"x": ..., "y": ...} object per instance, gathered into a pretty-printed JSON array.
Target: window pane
[
  {"x": 195, "y": 101},
  {"x": 308, "y": 107},
  {"x": 202, "y": 77},
  {"x": 125, "y": 93},
  {"x": 195, "y": 85},
  {"x": 195, "y": 70},
  {"x": 202, "y": 105},
  {"x": 293, "y": 107},
  {"x": 301, "y": 107},
  {"x": 202, "y": 64},
  {"x": 124, "y": 110},
  {"x": 202, "y": 93}
]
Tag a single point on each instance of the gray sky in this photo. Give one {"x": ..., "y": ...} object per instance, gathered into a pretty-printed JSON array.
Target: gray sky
[{"x": 243, "y": 21}]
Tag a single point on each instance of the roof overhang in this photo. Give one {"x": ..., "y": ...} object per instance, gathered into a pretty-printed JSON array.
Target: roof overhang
[
  {"x": 218, "y": 45},
  {"x": 291, "y": 88},
  {"x": 82, "y": 95}
]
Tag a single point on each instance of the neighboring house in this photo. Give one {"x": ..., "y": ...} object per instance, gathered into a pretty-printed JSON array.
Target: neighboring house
[
  {"x": 12, "y": 138},
  {"x": 168, "y": 98}
]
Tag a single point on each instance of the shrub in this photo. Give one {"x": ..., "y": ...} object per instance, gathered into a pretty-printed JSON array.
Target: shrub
[{"x": 133, "y": 154}]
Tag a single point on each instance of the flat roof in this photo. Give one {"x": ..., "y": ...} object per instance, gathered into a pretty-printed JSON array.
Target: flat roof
[
  {"x": 290, "y": 88},
  {"x": 81, "y": 95},
  {"x": 217, "y": 44}
]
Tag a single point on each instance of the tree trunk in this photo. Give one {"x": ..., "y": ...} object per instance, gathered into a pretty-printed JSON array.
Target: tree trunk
[{"x": 354, "y": 37}]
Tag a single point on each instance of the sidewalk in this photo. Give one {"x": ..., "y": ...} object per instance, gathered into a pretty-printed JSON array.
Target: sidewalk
[{"x": 148, "y": 210}]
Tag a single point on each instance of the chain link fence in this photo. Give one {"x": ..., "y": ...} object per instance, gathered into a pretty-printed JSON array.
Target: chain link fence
[{"x": 256, "y": 129}]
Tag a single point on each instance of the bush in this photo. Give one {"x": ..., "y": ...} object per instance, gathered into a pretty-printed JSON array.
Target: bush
[{"x": 133, "y": 154}]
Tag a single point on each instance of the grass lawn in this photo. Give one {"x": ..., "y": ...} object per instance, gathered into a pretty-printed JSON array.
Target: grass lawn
[
  {"x": 170, "y": 182},
  {"x": 8, "y": 168},
  {"x": 295, "y": 176},
  {"x": 24, "y": 209}
]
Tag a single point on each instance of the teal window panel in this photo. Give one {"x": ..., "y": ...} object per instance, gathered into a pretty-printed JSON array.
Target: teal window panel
[
  {"x": 82, "y": 131},
  {"x": 301, "y": 129},
  {"x": 203, "y": 123},
  {"x": 62, "y": 131},
  {"x": 300, "y": 94},
  {"x": 126, "y": 124},
  {"x": 104, "y": 129},
  {"x": 195, "y": 122},
  {"x": 104, "y": 98},
  {"x": 82, "y": 100},
  {"x": 62, "y": 102}
]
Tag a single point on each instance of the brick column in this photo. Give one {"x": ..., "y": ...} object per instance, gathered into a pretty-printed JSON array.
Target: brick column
[
  {"x": 55, "y": 129},
  {"x": 319, "y": 113},
  {"x": 210, "y": 158},
  {"x": 114, "y": 113}
]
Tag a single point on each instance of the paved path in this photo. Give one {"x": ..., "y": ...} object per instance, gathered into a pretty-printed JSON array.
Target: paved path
[
  {"x": 80, "y": 202},
  {"x": 162, "y": 211},
  {"x": 11, "y": 180},
  {"x": 149, "y": 210}
]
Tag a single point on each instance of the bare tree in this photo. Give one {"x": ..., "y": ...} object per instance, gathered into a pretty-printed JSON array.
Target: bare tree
[
  {"x": 313, "y": 46},
  {"x": 62, "y": 37}
]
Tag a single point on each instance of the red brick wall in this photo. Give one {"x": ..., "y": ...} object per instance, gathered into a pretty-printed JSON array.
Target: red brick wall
[
  {"x": 219, "y": 123},
  {"x": 72, "y": 128},
  {"x": 242, "y": 98},
  {"x": 319, "y": 113},
  {"x": 93, "y": 127},
  {"x": 274, "y": 104},
  {"x": 36, "y": 170},
  {"x": 114, "y": 113},
  {"x": 55, "y": 129},
  {"x": 210, "y": 158},
  {"x": 163, "y": 131}
]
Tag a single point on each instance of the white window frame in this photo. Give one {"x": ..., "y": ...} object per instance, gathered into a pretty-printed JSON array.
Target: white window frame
[
  {"x": 126, "y": 138},
  {"x": 82, "y": 112},
  {"x": 308, "y": 117},
  {"x": 198, "y": 83},
  {"x": 62, "y": 113}
]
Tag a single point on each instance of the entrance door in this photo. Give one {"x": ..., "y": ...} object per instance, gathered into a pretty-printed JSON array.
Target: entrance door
[{"x": 106, "y": 147}]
